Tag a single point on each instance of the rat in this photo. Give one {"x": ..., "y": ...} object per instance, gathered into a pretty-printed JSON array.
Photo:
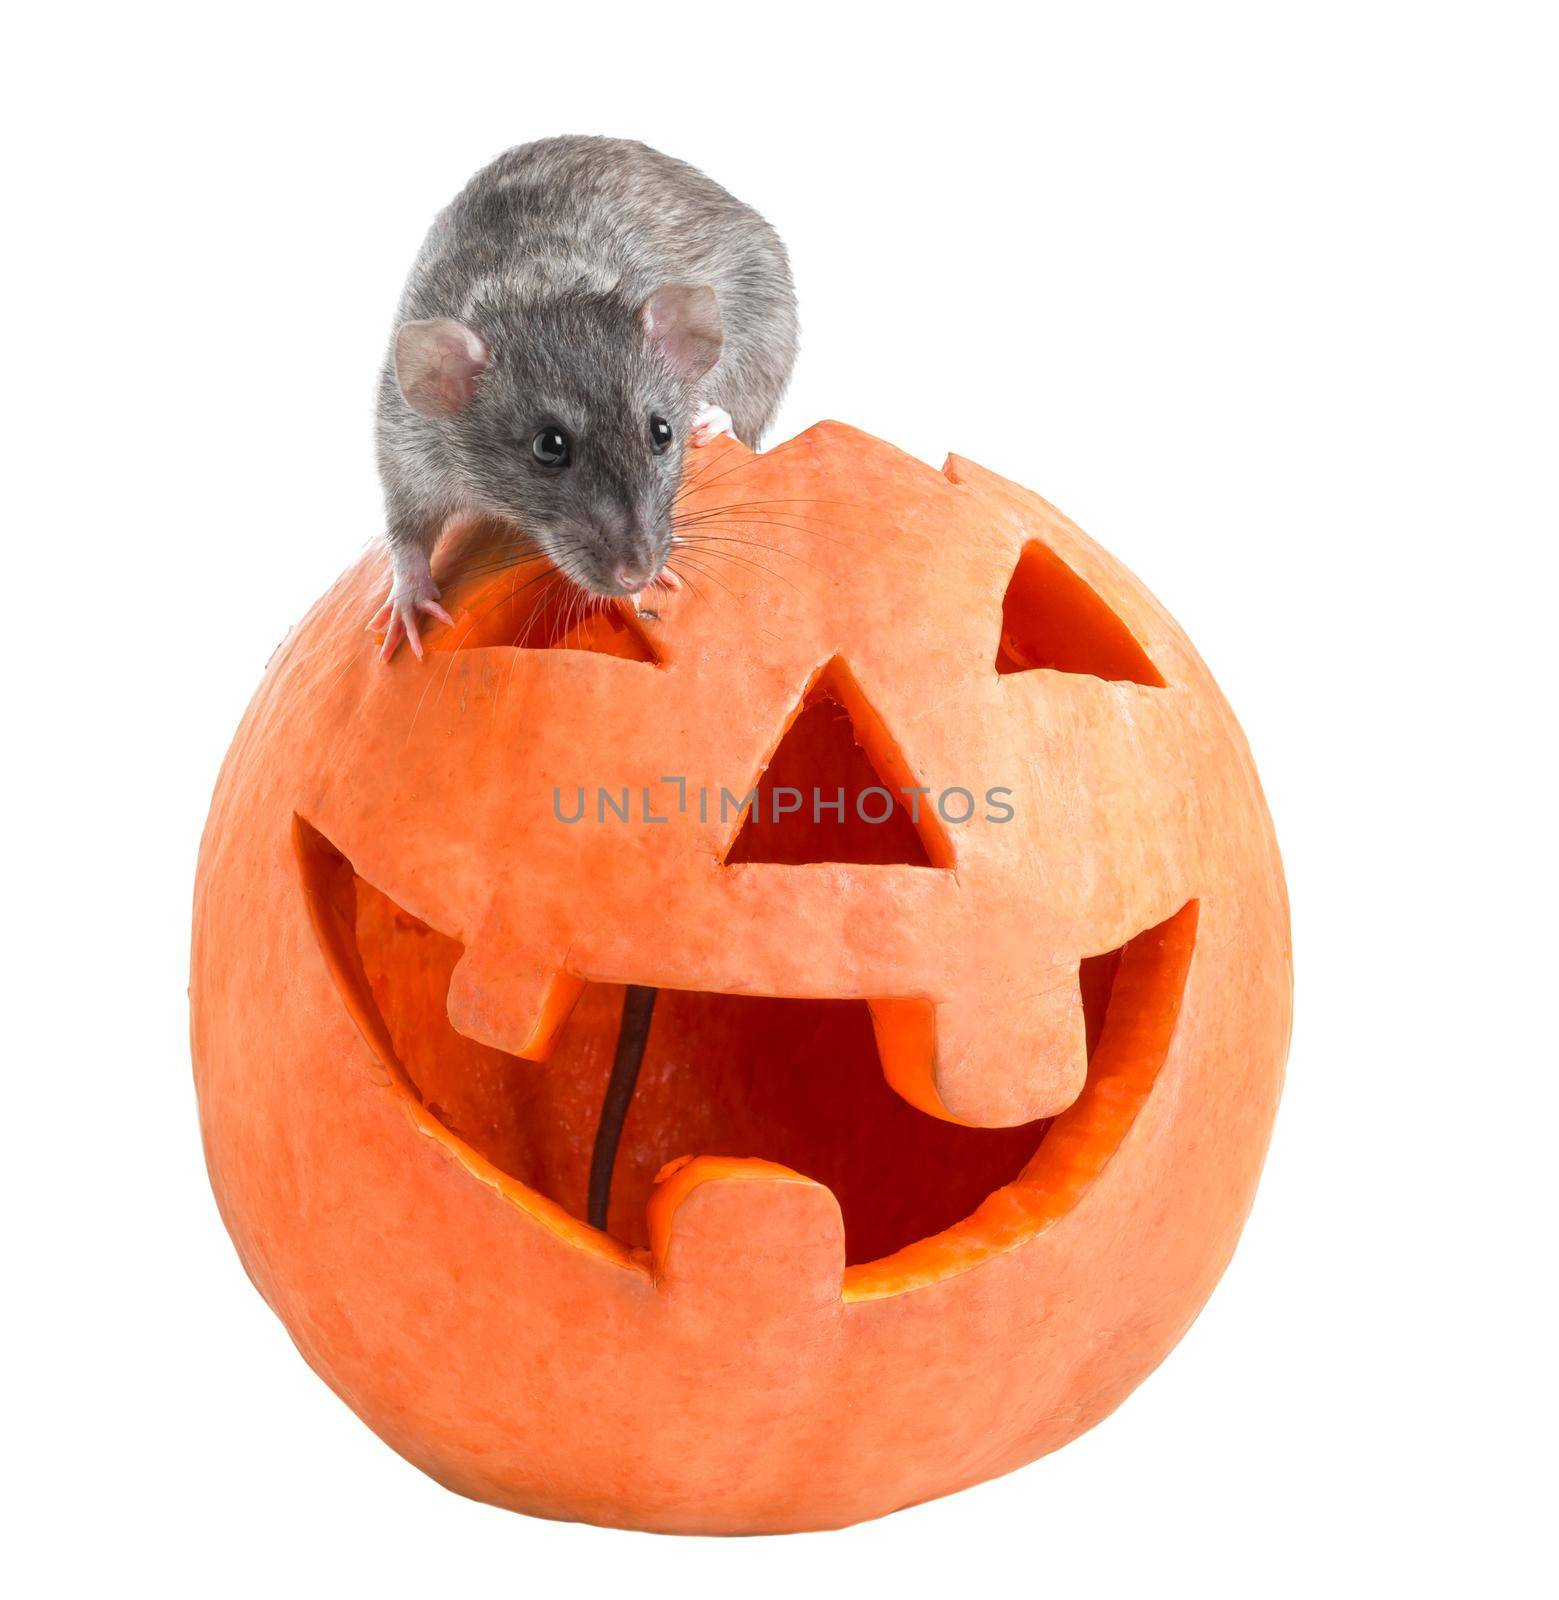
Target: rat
[{"x": 582, "y": 312}]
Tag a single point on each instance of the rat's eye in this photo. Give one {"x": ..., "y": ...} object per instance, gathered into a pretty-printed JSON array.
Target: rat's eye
[
  {"x": 660, "y": 435},
  {"x": 550, "y": 447}
]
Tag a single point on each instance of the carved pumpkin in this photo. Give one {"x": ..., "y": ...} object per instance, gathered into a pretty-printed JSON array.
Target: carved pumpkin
[{"x": 974, "y": 1108}]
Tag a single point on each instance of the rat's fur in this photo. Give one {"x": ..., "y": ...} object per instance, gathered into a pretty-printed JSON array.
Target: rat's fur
[{"x": 549, "y": 254}]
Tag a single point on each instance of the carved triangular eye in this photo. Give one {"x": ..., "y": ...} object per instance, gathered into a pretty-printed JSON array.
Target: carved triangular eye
[
  {"x": 837, "y": 788},
  {"x": 522, "y": 619},
  {"x": 1050, "y": 618}
]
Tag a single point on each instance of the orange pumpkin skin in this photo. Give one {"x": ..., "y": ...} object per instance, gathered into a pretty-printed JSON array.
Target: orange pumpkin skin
[{"x": 403, "y": 1002}]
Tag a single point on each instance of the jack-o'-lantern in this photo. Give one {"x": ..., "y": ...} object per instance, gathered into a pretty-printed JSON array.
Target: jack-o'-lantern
[{"x": 964, "y": 1061}]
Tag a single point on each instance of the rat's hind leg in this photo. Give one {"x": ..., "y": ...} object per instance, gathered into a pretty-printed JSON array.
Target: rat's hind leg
[{"x": 709, "y": 422}]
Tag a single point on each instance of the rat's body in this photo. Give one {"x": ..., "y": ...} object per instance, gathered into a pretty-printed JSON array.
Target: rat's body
[{"x": 581, "y": 311}]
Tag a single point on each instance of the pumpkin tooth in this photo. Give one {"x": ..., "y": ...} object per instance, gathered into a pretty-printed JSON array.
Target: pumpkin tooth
[
  {"x": 749, "y": 1232},
  {"x": 983, "y": 1063},
  {"x": 522, "y": 1011}
]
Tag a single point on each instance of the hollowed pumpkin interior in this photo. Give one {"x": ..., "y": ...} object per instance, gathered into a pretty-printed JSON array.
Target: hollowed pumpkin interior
[{"x": 796, "y": 1081}]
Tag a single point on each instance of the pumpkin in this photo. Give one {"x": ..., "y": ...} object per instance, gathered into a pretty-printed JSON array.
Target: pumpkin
[{"x": 954, "y": 1101}]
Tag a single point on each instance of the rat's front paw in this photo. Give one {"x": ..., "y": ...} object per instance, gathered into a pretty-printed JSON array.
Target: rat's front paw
[
  {"x": 709, "y": 422},
  {"x": 398, "y": 617}
]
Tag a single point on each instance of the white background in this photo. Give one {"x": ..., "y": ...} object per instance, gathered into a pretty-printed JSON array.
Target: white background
[{"x": 1262, "y": 296}]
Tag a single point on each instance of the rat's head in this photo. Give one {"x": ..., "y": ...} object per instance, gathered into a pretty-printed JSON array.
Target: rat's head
[{"x": 569, "y": 417}]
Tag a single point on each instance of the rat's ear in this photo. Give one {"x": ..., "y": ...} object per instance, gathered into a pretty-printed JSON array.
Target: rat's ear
[
  {"x": 683, "y": 321},
  {"x": 437, "y": 364}
]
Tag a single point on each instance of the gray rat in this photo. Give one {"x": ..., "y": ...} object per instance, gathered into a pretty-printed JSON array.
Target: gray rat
[{"x": 581, "y": 312}]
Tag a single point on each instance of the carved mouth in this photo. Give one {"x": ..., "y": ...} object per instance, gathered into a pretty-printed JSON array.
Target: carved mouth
[{"x": 794, "y": 1081}]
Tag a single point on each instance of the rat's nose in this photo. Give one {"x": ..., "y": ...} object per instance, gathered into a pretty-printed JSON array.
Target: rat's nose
[{"x": 631, "y": 576}]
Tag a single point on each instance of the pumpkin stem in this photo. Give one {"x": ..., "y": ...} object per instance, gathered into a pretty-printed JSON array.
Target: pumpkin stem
[{"x": 632, "y": 1035}]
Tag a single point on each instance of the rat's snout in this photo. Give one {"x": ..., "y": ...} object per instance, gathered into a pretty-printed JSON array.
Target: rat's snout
[
  {"x": 633, "y": 575},
  {"x": 631, "y": 550}
]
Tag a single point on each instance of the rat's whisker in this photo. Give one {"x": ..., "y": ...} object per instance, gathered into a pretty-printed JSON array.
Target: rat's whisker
[
  {"x": 710, "y": 542},
  {"x": 767, "y": 519},
  {"x": 691, "y": 587},
  {"x": 705, "y": 476},
  {"x": 710, "y": 577},
  {"x": 766, "y": 505},
  {"x": 508, "y": 598},
  {"x": 709, "y": 557},
  {"x": 702, "y": 536},
  {"x": 499, "y": 560}
]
